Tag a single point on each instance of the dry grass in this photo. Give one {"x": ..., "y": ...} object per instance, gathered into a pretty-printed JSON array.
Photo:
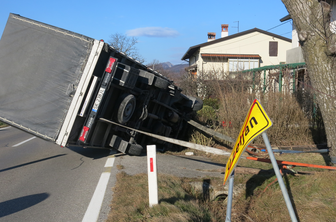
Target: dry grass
[
  {"x": 175, "y": 203},
  {"x": 199, "y": 138},
  {"x": 291, "y": 126},
  {"x": 313, "y": 196},
  {"x": 296, "y": 118},
  {"x": 313, "y": 199},
  {"x": 120, "y": 167},
  {"x": 2, "y": 124}
]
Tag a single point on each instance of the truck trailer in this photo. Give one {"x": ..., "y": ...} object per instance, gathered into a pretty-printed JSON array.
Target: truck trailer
[{"x": 60, "y": 85}]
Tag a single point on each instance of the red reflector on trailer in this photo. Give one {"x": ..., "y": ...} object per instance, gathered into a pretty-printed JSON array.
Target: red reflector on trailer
[
  {"x": 109, "y": 65},
  {"x": 84, "y": 132}
]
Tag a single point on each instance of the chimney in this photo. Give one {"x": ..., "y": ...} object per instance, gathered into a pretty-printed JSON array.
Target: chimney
[
  {"x": 211, "y": 36},
  {"x": 225, "y": 31}
]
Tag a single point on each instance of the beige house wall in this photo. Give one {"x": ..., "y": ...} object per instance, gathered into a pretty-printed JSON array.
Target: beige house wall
[{"x": 255, "y": 43}]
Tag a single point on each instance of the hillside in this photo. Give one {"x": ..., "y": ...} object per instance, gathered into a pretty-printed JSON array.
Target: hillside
[{"x": 169, "y": 68}]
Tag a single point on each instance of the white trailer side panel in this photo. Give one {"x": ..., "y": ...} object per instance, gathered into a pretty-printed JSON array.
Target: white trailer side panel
[{"x": 41, "y": 69}]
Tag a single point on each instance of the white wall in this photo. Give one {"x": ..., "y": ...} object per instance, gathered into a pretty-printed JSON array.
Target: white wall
[
  {"x": 254, "y": 43},
  {"x": 333, "y": 17},
  {"x": 295, "y": 38}
]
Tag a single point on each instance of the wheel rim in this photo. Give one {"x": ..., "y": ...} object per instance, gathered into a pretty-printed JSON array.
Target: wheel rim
[{"x": 129, "y": 109}]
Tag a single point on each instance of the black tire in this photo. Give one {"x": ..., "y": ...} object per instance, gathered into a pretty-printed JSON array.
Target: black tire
[
  {"x": 135, "y": 150},
  {"x": 126, "y": 108}
]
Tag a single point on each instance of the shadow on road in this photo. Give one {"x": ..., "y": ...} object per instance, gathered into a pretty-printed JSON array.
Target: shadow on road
[
  {"x": 32, "y": 162},
  {"x": 15, "y": 205},
  {"x": 93, "y": 153}
]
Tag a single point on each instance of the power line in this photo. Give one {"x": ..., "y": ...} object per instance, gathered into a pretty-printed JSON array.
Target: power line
[{"x": 278, "y": 25}]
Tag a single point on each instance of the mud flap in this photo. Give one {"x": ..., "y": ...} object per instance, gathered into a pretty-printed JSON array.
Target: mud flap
[
  {"x": 119, "y": 144},
  {"x": 125, "y": 147}
]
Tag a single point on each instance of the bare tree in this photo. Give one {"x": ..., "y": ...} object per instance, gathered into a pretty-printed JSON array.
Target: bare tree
[
  {"x": 155, "y": 65},
  {"x": 317, "y": 38},
  {"x": 126, "y": 44}
]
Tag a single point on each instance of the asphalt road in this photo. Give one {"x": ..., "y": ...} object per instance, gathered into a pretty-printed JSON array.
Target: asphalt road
[
  {"x": 41, "y": 181},
  {"x": 180, "y": 166}
]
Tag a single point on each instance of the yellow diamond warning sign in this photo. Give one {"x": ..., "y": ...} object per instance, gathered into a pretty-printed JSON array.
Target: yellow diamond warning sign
[{"x": 255, "y": 123}]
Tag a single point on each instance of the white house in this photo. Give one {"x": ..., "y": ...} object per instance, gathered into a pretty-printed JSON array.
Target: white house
[
  {"x": 245, "y": 50},
  {"x": 293, "y": 55}
]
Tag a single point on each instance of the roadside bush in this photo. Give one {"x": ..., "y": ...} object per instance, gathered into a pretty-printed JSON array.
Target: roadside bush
[
  {"x": 294, "y": 117},
  {"x": 213, "y": 102},
  {"x": 207, "y": 115},
  {"x": 290, "y": 124}
]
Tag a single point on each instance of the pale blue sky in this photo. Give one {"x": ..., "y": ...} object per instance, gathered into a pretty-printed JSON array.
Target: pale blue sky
[{"x": 165, "y": 29}]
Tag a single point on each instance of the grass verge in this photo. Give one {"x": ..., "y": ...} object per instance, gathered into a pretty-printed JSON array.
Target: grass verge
[
  {"x": 176, "y": 203},
  {"x": 312, "y": 195},
  {"x": 2, "y": 124}
]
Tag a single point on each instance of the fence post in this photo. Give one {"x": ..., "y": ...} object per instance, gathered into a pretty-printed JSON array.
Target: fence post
[
  {"x": 280, "y": 80},
  {"x": 253, "y": 81},
  {"x": 264, "y": 80},
  {"x": 294, "y": 82}
]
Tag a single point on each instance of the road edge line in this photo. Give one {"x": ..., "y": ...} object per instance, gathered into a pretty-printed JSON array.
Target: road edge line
[
  {"x": 18, "y": 144},
  {"x": 93, "y": 210}
]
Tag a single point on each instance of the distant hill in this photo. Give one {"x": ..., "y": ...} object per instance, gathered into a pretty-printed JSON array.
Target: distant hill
[
  {"x": 173, "y": 68},
  {"x": 166, "y": 65}
]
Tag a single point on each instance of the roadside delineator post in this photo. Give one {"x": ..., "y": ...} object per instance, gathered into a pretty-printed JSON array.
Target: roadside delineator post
[
  {"x": 256, "y": 123},
  {"x": 152, "y": 175}
]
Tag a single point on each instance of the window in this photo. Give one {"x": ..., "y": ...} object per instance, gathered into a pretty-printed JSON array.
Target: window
[
  {"x": 273, "y": 48},
  {"x": 242, "y": 64}
]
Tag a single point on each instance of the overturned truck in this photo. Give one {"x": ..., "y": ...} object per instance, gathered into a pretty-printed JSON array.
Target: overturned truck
[{"x": 59, "y": 85}]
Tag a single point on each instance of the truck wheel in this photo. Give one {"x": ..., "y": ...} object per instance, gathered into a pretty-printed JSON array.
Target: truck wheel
[
  {"x": 135, "y": 150},
  {"x": 126, "y": 108}
]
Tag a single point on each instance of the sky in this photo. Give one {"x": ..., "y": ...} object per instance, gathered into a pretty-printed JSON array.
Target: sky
[{"x": 165, "y": 29}]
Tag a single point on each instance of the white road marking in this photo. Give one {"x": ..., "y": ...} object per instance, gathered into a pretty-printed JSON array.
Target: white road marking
[
  {"x": 24, "y": 141},
  {"x": 92, "y": 212},
  {"x": 109, "y": 162}
]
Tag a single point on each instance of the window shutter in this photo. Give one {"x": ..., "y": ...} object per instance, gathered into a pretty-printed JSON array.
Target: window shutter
[{"x": 273, "y": 48}]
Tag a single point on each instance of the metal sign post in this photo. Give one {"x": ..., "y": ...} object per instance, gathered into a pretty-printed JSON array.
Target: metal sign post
[
  {"x": 229, "y": 202},
  {"x": 256, "y": 123},
  {"x": 279, "y": 177}
]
